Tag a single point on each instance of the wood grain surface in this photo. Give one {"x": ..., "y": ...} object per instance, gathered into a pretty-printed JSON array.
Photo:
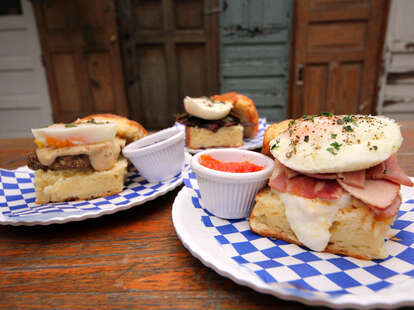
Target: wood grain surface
[{"x": 130, "y": 259}]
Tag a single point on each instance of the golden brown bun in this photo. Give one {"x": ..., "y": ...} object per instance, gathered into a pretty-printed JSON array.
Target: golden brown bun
[
  {"x": 244, "y": 109},
  {"x": 271, "y": 132},
  {"x": 72, "y": 184},
  {"x": 355, "y": 231},
  {"x": 126, "y": 128},
  {"x": 197, "y": 138}
]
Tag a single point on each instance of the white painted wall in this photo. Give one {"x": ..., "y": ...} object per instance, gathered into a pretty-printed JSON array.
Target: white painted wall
[
  {"x": 398, "y": 61},
  {"x": 24, "y": 98}
]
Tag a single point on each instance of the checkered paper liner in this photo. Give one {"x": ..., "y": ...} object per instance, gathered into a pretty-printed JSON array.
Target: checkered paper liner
[
  {"x": 249, "y": 144},
  {"x": 312, "y": 274},
  {"x": 18, "y": 206}
]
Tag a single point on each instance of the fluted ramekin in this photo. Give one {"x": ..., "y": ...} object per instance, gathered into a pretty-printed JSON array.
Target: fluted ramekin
[
  {"x": 230, "y": 195},
  {"x": 159, "y": 156}
]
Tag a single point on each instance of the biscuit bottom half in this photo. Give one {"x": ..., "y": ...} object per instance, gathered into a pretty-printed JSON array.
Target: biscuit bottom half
[
  {"x": 355, "y": 231},
  {"x": 66, "y": 185},
  {"x": 198, "y": 138}
]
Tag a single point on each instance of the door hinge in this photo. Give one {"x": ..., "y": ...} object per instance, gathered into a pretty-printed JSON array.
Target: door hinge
[
  {"x": 217, "y": 10},
  {"x": 299, "y": 75}
]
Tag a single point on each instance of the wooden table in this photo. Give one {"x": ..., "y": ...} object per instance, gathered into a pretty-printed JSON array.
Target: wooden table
[{"x": 131, "y": 259}]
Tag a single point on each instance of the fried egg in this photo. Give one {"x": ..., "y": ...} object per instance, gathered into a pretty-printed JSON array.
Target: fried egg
[
  {"x": 206, "y": 108},
  {"x": 336, "y": 143},
  {"x": 62, "y": 135}
]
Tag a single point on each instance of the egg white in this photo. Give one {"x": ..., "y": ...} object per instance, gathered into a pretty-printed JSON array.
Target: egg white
[
  {"x": 329, "y": 144},
  {"x": 311, "y": 219},
  {"x": 83, "y": 133}
]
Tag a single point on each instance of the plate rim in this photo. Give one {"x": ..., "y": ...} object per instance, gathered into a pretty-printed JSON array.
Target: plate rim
[{"x": 378, "y": 300}]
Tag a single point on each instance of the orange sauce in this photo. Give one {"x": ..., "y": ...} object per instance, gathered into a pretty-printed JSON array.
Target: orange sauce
[{"x": 238, "y": 167}]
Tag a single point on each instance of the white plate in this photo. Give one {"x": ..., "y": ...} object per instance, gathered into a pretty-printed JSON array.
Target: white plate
[
  {"x": 201, "y": 232},
  {"x": 249, "y": 144},
  {"x": 17, "y": 206}
]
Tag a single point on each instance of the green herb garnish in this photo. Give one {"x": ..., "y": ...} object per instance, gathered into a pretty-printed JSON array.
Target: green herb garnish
[
  {"x": 331, "y": 150},
  {"x": 328, "y": 114},
  {"x": 340, "y": 121},
  {"x": 292, "y": 122},
  {"x": 70, "y": 125},
  {"x": 304, "y": 116},
  {"x": 348, "y": 128},
  {"x": 336, "y": 145},
  {"x": 92, "y": 120},
  {"x": 290, "y": 132},
  {"x": 313, "y": 118},
  {"x": 333, "y": 135}
]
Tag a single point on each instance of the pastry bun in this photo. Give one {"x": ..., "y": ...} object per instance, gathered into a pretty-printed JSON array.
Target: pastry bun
[
  {"x": 126, "y": 128},
  {"x": 244, "y": 109},
  {"x": 271, "y": 132}
]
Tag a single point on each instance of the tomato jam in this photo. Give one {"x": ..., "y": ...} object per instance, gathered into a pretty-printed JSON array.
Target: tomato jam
[{"x": 244, "y": 166}]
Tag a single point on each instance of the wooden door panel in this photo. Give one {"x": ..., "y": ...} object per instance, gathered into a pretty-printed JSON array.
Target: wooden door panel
[
  {"x": 350, "y": 88},
  {"x": 186, "y": 14},
  {"x": 316, "y": 77},
  {"x": 192, "y": 79},
  {"x": 338, "y": 55},
  {"x": 170, "y": 51},
  {"x": 82, "y": 59},
  {"x": 325, "y": 37},
  {"x": 101, "y": 82},
  {"x": 66, "y": 87}
]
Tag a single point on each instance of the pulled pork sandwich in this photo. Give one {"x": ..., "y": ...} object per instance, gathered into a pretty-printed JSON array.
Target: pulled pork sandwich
[
  {"x": 82, "y": 160},
  {"x": 219, "y": 121},
  {"x": 335, "y": 186}
]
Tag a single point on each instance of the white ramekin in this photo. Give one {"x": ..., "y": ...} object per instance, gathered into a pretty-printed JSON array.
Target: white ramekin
[
  {"x": 226, "y": 194},
  {"x": 159, "y": 156}
]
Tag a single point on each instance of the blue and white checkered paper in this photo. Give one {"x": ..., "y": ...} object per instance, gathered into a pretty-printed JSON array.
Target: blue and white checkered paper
[
  {"x": 17, "y": 198},
  {"x": 312, "y": 273},
  {"x": 249, "y": 144}
]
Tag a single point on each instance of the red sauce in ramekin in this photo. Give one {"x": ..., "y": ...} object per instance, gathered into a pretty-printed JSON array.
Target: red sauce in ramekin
[{"x": 237, "y": 167}]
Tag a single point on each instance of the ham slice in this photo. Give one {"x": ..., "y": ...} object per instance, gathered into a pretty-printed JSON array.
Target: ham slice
[
  {"x": 378, "y": 193},
  {"x": 302, "y": 185},
  {"x": 354, "y": 178},
  {"x": 389, "y": 211},
  {"x": 389, "y": 170}
]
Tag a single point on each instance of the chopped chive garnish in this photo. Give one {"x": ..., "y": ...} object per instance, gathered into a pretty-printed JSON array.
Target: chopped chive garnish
[
  {"x": 292, "y": 122},
  {"x": 333, "y": 135},
  {"x": 336, "y": 145},
  {"x": 348, "y": 128},
  {"x": 304, "y": 116},
  {"x": 70, "y": 125},
  {"x": 328, "y": 114},
  {"x": 331, "y": 150}
]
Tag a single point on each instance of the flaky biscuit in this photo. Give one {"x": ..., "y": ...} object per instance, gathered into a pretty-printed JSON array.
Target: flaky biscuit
[
  {"x": 244, "y": 109},
  {"x": 126, "y": 128},
  {"x": 271, "y": 132}
]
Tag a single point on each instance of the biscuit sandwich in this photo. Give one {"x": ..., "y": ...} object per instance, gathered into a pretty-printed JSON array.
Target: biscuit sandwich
[
  {"x": 335, "y": 185},
  {"x": 219, "y": 121},
  {"x": 82, "y": 160}
]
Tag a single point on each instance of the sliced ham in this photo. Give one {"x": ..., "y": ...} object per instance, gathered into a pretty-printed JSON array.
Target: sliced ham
[
  {"x": 389, "y": 211},
  {"x": 391, "y": 171},
  {"x": 378, "y": 193},
  {"x": 302, "y": 185},
  {"x": 354, "y": 178}
]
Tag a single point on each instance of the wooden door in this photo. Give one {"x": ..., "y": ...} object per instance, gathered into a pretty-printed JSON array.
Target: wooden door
[
  {"x": 170, "y": 50},
  {"x": 82, "y": 57},
  {"x": 254, "y": 53},
  {"x": 336, "y": 55}
]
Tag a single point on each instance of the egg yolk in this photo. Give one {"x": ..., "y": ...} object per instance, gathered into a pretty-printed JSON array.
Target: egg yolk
[
  {"x": 244, "y": 166},
  {"x": 51, "y": 141}
]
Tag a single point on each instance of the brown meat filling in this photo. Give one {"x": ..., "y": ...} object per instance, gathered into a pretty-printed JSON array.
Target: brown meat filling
[{"x": 60, "y": 163}]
